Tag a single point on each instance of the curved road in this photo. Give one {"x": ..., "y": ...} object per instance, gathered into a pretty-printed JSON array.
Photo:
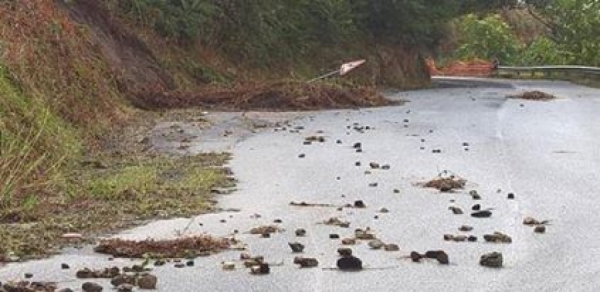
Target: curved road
[{"x": 546, "y": 153}]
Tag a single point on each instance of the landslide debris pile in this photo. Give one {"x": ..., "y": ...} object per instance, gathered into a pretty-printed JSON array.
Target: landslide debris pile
[
  {"x": 291, "y": 95},
  {"x": 175, "y": 248},
  {"x": 534, "y": 95}
]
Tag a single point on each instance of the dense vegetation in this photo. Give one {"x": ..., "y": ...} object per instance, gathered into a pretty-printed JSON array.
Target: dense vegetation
[
  {"x": 271, "y": 30},
  {"x": 566, "y": 32}
]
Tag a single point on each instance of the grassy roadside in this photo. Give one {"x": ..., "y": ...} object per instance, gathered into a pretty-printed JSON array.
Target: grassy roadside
[
  {"x": 114, "y": 194},
  {"x": 106, "y": 190}
]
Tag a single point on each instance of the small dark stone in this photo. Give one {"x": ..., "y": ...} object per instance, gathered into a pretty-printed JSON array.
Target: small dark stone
[
  {"x": 122, "y": 279},
  {"x": 448, "y": 237},
  {"x": 415, "y": 256},
  {"x": 125, "y": 288},
  {"x": 465, "y": 144},
  {"x": 261, "y": 269},
  {"x": 147, "y": 281},
  {"x": 66, "y": 290},
  {"x": 344, "y": 251},
  {"x": 359, "y": 204},
  {"x": 359, "y": 150},
  {"x": 391, "y": 247},
  {"x": 440, "y": 255},
  {"x": 296, "y": 247},
  {"x": 84, "y": 273},
  {"x": 465, "y": 228},
  {"x": 386, "y": 167},
  {"x": 338, "y": 141},
  {"x": 349, "y": 263},
  {"x": 277, "y": 221},
  {"x": 334, "y": 236},
  {"x": 456, "y": 210},
  {"x": 511, "y": 196},
  {"x": 266, "y": 235},
  {"x": 472, "y": 238},
  {"x": 493, "y": 260},
  {"x": 28, "y": 275},
  {"x": 476, "y": 207},
  {"x": 302, "y": 155},
  {"x": 300, "y": 232},
  {"x": 373, "y": 185},
  {"x": 160, "y": 262},
  {"x": 540, "y": 229},
  {"x": 357, "y": 145},
  {"x": 357, "y": 163},
  {"x": 190, "y": 263},
  {"x": 482, "y": 214},
  {"x": 91, "y": 287},
  {"x": 436, "y": 151},
  {"x": 306, "y": 262},
  {"x": 396, "y": 191},
  {"x": 374, "y": 165}
]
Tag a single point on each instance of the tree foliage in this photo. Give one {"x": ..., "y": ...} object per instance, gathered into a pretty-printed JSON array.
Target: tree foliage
[
  {"x": 275, "y": 29},
  {"x": 575, "y": 26},
  {"x": 489, "y": 37}
]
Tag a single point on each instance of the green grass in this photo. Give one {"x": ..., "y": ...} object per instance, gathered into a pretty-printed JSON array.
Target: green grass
[{"x": 33, "y": 142}]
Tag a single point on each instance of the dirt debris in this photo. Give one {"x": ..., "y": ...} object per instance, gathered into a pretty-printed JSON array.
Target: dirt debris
[
  {"x": 26, "y": 286},
  {"x": 305, "y": 204},
  {"x": 175, "y": 248},
  {"x": 446, "y": 184},
  {"x": 266, "y": 229},
  {"x": 278, "y": 96},
  {"x": 533, "y": 95},
  {"x": 335, "y": 221}
]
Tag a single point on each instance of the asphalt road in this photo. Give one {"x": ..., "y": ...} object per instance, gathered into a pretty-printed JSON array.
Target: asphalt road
[{"x": 546, "y": 153}]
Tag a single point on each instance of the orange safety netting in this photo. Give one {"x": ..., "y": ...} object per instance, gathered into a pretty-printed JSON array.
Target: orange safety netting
[{"x": 474, "y": 67}]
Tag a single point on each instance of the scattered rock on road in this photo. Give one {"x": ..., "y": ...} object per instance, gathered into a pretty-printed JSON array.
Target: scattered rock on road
[
  {"x": 306, "y": 262},
  {"x": 147, "y": 281},
  {"x": 482, "y": 214},
  {"x": 91, "y": 287},
  {"x": 261, "y": 269},
  {"x": 296, "y": 247},
  {"x": 348, "y": 241},
  {"x": 540, "y": 229},
  {"x": 391, "y": 247},
  {"x": 493, "y": 260},
  {"x": 344, "y": 251},
  {"x": 349, "y": 263},
  {"x": 455, "y": 210},
  {"x": 300, "y": 232},
  {"x": 439, "y": 255},
  {"x": 497, "y": 237},
  {"x": 359, "y": 204},
  {"x": 466, "y": 228},
  {"x": 376, "y": 244}
]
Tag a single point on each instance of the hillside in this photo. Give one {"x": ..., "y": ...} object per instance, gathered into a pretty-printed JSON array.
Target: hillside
[{"x": 73, "y": 72}]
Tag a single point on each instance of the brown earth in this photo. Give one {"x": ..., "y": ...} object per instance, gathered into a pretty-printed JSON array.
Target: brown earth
[{"x": 275, "y": 96}]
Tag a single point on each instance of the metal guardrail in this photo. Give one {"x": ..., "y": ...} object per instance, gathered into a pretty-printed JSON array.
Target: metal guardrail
[{"x": 549, "y": 71}]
